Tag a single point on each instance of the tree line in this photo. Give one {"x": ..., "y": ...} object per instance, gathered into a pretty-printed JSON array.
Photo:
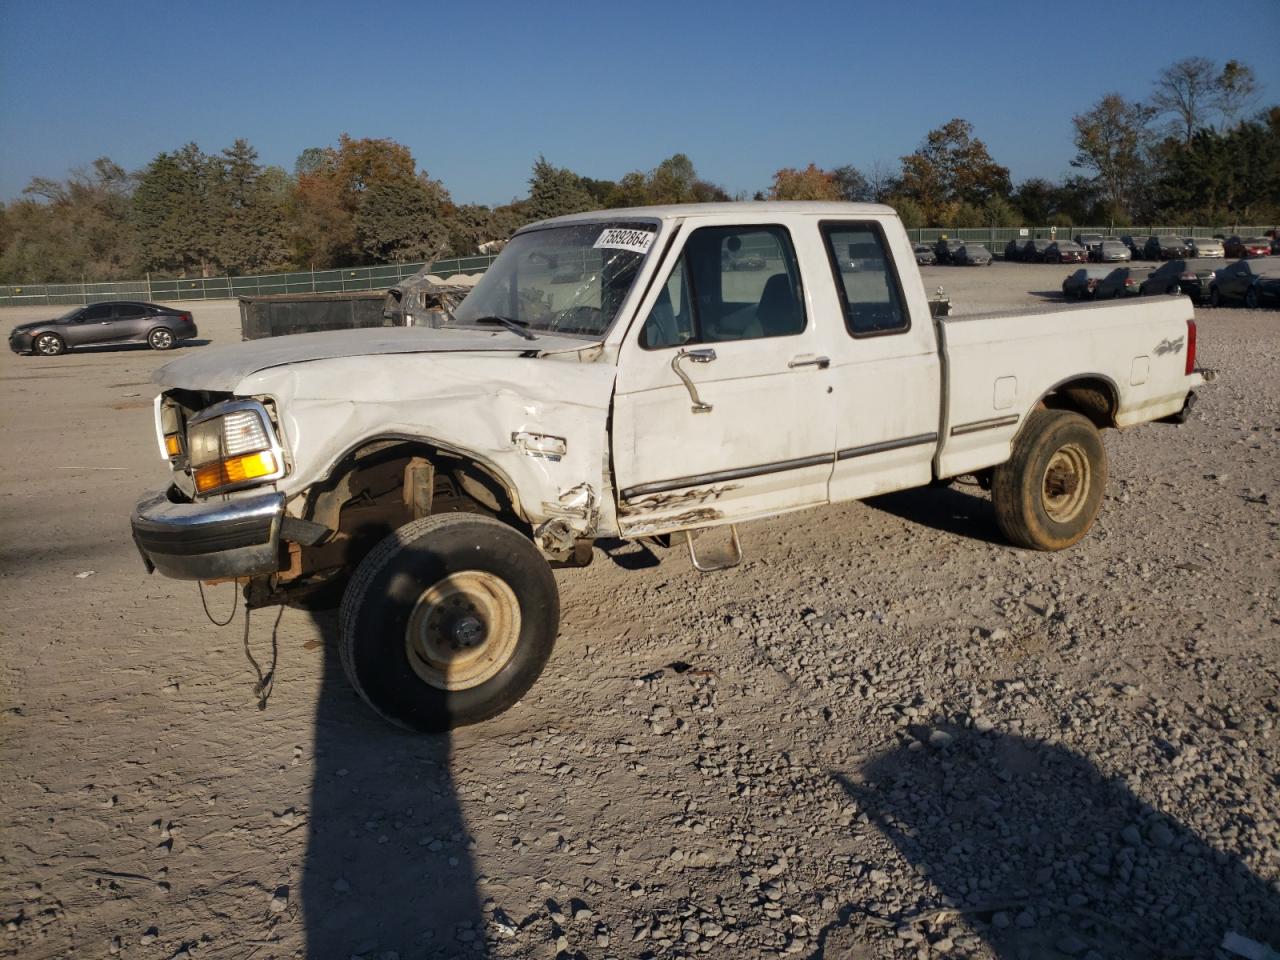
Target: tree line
[{"x": 1196, "y": 151}]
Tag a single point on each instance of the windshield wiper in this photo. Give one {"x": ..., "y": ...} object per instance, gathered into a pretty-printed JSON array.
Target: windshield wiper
[{"x": 515, "y": 326}]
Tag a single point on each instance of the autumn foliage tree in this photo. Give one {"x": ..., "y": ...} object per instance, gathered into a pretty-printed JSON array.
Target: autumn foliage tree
[
  {"x": 811, "y": 183},
  {"x": 71, "y": 229},
  {"x": 1113, "y": 142},
  {"x": 951, "y": 167}
]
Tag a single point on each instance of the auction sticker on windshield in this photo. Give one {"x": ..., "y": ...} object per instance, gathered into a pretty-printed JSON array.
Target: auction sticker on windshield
[{"x": 619, "y": 238}]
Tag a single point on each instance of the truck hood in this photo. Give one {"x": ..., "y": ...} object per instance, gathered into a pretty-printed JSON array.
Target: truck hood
[{"x": 223, "y": 368}]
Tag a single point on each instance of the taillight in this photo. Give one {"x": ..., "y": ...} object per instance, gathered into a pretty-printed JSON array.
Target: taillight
[
  {"x": 1191, "y": 347},
  {"x": 186, "y": 318}
]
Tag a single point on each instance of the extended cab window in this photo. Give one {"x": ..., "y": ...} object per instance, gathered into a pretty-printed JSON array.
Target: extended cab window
[
  {"x": 730, "y": 283},
  {"x": 865, "y": 279}
]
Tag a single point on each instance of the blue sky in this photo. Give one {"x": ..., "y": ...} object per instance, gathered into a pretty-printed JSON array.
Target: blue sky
[{"x": 477, "y": 91}]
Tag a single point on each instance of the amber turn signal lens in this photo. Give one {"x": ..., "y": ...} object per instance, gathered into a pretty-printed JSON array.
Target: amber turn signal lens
[
  {"x": 251, "y": 466},
  {"x": 173, "y": 444}
]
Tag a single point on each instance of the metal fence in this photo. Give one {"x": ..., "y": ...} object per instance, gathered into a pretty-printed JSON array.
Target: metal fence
[
  {"x": 220, "y": 288},
  {"x": 381, "y": 277}
]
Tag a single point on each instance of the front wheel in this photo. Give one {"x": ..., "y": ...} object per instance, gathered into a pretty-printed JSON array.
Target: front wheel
[
  {"x": 50, "y": 345},
  {"x": 448, "y": 621},
  {"x": 1251, "y": 299},
  {"x": 1047, "y": 494},
  {"x": 1215, "y": 298}
]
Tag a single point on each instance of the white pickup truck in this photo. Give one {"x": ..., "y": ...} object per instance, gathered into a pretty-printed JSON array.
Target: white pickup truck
[{"x": 625, "y": 374}]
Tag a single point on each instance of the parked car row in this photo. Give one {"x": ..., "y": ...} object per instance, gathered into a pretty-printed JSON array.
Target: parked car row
[
  {"x": 959, "y": 253},
  {"x": 1248, "y": 282},
  {"x": 1238, "y": 246},
  {"x": 1084, "y": 248},
  {"x": 1100, "y": 249}
]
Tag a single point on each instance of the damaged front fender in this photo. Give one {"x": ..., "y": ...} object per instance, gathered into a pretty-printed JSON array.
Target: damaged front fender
[{"x": 540, "y": 423}]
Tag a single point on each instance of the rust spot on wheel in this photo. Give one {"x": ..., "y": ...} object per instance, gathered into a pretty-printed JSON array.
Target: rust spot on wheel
[{"x": 1065, "y": 486}]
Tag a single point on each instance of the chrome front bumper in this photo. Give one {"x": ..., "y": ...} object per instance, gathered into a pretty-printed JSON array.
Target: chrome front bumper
[{"x": 209, "y": 541}]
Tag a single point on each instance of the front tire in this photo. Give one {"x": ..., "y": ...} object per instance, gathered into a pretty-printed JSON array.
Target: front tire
[
  {"x": 1215, "y": 298},
  {"x": 1251, "y": 299},
  {"x": 50, "y": 345},
  {"x": 1047, "y": 494},
  {"x": 448, "y": 621}
]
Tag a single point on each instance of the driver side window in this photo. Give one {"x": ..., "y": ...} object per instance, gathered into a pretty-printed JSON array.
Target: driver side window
[
  {"x": 730, "y": 283},
  {"x": 670, "y": 321}
]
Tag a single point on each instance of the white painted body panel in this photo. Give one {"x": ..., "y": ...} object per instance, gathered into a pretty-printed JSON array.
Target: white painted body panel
[
  {"x": 763, "y": 411},
  {"x": 1040, "y": 349},
  {"x": 469, "y": 391},
  {"x": 471, "y": 403}
]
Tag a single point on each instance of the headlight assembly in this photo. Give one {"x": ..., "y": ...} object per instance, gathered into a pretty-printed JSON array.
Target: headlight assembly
[{"x": 232, "y": 445}]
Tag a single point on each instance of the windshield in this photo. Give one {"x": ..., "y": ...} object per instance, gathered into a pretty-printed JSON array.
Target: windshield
[{"x": 569, "y": 279}]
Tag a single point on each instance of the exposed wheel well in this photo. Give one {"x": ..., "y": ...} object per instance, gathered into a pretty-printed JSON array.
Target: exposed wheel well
[
  {"x": 382, "y": 485},
  {"x": 382, "y": 471},
  {"x": 1093, "y": 397}
]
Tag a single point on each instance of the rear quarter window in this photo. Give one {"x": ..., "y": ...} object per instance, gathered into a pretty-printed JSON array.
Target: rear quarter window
[{"x": 866, "y": 281}]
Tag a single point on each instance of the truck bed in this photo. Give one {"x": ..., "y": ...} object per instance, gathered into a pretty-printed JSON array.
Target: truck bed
[{"x": 999, "y": 366}]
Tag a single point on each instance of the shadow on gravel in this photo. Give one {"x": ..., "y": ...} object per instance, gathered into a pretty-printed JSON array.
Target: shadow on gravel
[
  {"x": 629, "y": 554},
  {"x": 1043, "y": 857},
  {"x": 949, "y": 509},
  {"x": 387, "y": 870}
]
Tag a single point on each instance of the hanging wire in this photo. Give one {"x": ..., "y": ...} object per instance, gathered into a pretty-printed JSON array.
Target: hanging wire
[
  {"x": 205, "y": 603},
  {"x": 266, "y": 682}
]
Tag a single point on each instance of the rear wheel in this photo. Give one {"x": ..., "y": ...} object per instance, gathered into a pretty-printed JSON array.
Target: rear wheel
[
  {"x": 160, "y": 339},
  {"x": 1251, "y": 299},
  {"x": 50, "y": 345},
  {"x": 1047, "y": 494},
  {"x": 1215, "y": 298},
  {"x": 448, "y": 621}
]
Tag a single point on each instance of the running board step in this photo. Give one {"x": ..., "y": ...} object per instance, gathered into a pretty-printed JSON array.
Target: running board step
[{"x": 725, "y": 561}]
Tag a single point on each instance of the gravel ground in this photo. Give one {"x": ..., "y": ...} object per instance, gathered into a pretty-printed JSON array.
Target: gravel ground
[{"x": 886, "y": 735}]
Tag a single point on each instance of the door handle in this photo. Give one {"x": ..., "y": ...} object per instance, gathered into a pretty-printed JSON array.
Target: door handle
[
  {"x": 805, "y": 360},
  {"x": 704, "y": 355}
]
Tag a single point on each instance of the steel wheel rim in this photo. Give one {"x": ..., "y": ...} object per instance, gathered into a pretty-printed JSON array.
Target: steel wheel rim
[
  {"x": 162, "y": 339},
  {"x": 1065, "y": 485},
  {"x": 463, "y": 630},
  {"x": 48, "y": 345}
]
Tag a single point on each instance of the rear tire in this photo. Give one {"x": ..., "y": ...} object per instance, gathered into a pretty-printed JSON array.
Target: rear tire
[
  {"x": 49, "y": 345},
  {"x": 1047, "y": 494},
  {"x": 1215, "y": 298},
  {"x": 161, "y": 338},
  {"x": 448, "y": 621},
  {"x": 1251, "y": 299}
]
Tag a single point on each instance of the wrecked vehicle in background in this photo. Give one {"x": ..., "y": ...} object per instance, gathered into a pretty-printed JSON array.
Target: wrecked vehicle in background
[
  {"x": 426, "y": 300},
  {"x": 435, "y": 474}
]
